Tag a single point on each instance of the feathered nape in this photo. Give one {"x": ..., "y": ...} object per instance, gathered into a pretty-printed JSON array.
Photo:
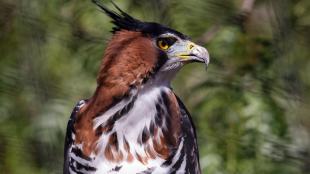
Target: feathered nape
[
  {"x": 118, "y": 75},
  {"x": 121, "y": 20}
]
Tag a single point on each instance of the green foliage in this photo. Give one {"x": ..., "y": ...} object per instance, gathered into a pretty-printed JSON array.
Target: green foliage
[{"x": 251, "y": 107}]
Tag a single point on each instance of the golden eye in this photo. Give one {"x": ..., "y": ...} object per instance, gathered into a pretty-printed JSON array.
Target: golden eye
[
  {"x": 162, "y": 44},
  {"x": 165, "y": 42}
]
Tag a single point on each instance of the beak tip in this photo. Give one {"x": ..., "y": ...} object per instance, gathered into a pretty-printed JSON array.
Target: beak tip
[{"x": 206, "y": 57}]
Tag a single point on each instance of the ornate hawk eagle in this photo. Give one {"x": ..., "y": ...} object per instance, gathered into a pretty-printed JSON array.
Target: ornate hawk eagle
[{"x": 134, "y": 123}]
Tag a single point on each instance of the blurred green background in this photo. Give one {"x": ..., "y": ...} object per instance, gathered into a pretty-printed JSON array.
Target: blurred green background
[{"x": 251, "y": 107}]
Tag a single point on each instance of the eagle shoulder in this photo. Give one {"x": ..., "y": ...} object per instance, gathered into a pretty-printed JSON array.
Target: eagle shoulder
[{"x": 70, "y": 133}]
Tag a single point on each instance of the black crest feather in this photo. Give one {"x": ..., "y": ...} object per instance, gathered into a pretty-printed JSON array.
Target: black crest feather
[
  {"x": 121, "y": 20},
  {"x": 124, "y": 21}
]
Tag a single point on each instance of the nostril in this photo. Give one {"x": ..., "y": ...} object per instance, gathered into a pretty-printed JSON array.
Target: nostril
[{"x": 191, "y": 46}]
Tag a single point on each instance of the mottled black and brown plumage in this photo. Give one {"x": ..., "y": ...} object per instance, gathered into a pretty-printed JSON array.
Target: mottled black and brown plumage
[{"x": 134, "y": 123}]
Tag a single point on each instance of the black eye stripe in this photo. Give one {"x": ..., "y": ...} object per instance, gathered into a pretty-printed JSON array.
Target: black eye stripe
[
  {"x": 171, "y": 40},
  {"x": 167, "y": 40}
]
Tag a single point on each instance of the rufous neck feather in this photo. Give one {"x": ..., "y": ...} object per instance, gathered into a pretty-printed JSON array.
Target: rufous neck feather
[{"x": 129, "y": 59}]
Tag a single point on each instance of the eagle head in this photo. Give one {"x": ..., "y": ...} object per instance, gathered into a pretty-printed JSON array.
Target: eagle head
[{"x": 140, "y": 50}]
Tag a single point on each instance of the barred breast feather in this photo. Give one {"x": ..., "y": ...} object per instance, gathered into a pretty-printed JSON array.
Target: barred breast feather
[{"x": 149, "y": 131}]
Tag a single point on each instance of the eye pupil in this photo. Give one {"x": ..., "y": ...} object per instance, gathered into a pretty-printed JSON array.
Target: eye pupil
[{"x": 163, "y": 44}]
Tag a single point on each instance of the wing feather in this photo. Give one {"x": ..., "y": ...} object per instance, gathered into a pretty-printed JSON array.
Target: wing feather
[
  {"x": 69, "y": 135},
  {"x": 190, "y": 138}
]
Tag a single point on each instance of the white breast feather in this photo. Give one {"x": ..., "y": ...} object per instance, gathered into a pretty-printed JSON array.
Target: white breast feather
[{"x": 130, "y": 127}]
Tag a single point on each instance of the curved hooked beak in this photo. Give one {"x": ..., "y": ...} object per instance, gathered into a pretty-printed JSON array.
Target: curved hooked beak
[{"x": 194, "y": 53}]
